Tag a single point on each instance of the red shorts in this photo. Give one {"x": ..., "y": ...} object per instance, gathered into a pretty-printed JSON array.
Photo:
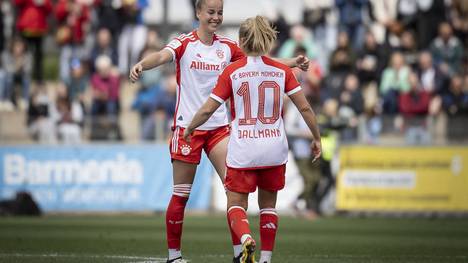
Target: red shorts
[
  {"x": 191, "y": 152},
  {"x": 246, "y": 180}
]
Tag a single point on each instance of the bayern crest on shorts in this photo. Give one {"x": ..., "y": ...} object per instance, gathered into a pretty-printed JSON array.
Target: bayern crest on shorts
[{"x": 185, "y": 149}]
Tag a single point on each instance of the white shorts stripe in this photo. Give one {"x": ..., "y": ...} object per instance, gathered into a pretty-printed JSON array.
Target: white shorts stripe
[{"x": 175, "y": 140}]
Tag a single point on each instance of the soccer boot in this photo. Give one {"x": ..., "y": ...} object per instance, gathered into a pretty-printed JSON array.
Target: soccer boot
[
  {"x": 248, "y": 251},
  {"x": 176, "y": 260},
  {"x": 238, "y": 259}
]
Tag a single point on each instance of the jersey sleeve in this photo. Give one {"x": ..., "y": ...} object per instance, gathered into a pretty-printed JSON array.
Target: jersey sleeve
[
  {"x": 292, "y": 85},
  {"x": 223, "y": 88},
  {"x": 236, "y": 52},
  {"x": 175, "y": 47}
]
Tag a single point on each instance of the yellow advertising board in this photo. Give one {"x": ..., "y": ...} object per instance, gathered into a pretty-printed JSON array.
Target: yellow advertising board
[{"x": 403, "y": 179}]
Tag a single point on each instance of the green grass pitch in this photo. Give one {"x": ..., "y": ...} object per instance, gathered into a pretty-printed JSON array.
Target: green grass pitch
[{"x": 139, "y": 238}]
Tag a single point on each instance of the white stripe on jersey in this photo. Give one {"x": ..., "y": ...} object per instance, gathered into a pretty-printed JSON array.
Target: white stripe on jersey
[
  {"x": 216, "y": 98},
  {"x": 227, "y": 40},
  {"x": 291, "y": 92}
]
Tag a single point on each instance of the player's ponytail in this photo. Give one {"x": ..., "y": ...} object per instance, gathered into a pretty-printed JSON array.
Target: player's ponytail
[{"x": 257, "y": 36}]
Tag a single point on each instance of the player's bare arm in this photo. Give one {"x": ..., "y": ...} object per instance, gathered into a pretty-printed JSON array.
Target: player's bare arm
[
  {"x": 308, "y": 114},
  {"x": 151, "y": 61},
  {"x": 202, "y": 115}
]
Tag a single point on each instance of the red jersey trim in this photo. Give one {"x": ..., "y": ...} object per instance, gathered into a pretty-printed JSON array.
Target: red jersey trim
[{"x": 184, "y": 39}]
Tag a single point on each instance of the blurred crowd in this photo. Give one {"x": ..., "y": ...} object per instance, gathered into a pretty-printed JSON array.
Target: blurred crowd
[
  {"x": 98, "y": 41},
  {"x": 376, "y": 67}
]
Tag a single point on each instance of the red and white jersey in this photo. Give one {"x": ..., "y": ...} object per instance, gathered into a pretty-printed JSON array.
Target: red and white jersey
[
  {"x": 256, "y": 86},
  {"x": 198, "y": 67}
]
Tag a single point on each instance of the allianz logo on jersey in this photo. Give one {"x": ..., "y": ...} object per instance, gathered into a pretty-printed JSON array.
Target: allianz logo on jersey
[{"x": 200, "y": 65}]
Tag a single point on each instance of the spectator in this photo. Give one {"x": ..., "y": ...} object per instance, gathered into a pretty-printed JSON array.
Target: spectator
[
  {"x": 147, "y": 99},
  {"x": 109, "y": 16},
  {"x": 351, "y": 19},
  {"x": 371, "y": 60},
  {"x": 104, "y": 46},
  {"x": 383, "y": 14},
  {"x": 310, "y": 79},
  {"x": 16, "y": 70},
  {"x": 78, "y": 82},
  {"x": 133, "y": 35},
  {"x": 370, "y": 64},
  {"x": 351, "y": 97},
  {"x": 416, "y": 100},
  {"x": 409, "y": 49},
  {"x": 105, "y": 86},
  {"x": 2, "y": 28},
  {"x": 40, "y": 117},
  {"x": 431, "y": 78},
  {"x": 344, "y": 46},
  {"x": 394, "y": 81},
  {"x": 73, "y": 17},
  {"x": 341, "y": 63},
  {"x": 299, "y": 36},
  {"x": 455, "y": 102},
  {"x": 447, "y": 50},
  {"x": 407, "y": 14},
  {"x": 351, "y": 105},
  {"x": 153, "y": 40},
  {"x": 32, "y": 25},
  {"x": 69, "y": 118},
  {"x": 330, "y": 123},
  {"x": 458, "y": 15},
  {"x": 283, "y": 29},
  {"x": 300, "y": 138},
  {"x": 414, "y": 106},
  {"x": 431, "y": 14},
  {"x": 315, "y": 17}
]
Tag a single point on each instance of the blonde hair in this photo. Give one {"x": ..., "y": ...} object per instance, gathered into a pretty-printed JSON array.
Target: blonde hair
[
  {"x": 200, "y": 3},
  {"x": 257, "y": 36}
]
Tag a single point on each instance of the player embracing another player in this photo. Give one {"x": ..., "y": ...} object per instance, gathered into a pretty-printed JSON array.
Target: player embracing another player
[
  {"x": 199, "y": 56},
  {"x": 258, "y": 149}
]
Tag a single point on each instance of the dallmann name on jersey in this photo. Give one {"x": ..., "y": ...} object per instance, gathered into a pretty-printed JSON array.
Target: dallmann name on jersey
[
  {"x": 256, "y": 134},
  {"x": 199, "y": 65}
]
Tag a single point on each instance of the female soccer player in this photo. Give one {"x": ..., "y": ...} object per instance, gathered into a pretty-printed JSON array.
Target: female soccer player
[
  {"x": 258, "y": 149},
  {"x": 200, "y": 57}
]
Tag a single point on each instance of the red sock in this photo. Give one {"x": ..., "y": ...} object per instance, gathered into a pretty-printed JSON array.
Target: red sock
[
  {"x": 268, "y": 228},
  {"x": 234, "y": 238},
  {"x": 175, "y": 219},
  {"x": 238, "y": 222}
]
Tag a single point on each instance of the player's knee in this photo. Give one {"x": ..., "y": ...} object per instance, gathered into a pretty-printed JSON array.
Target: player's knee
[
  {"x": 266, "y": 203},
  {"x": 237, "y": 200}
]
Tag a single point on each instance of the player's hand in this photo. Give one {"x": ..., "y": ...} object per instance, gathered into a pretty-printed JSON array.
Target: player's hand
[
  {"x": 316, "y": 146},
  {"x": 188, "y": 135},
  {"x": 302, "y": 62},
  {"x": 136, "y": 72}
]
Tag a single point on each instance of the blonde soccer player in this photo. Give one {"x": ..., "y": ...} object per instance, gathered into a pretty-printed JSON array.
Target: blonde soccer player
[
  {"x": 258, "y": 150},
  {"x": 200, "y": 56}
]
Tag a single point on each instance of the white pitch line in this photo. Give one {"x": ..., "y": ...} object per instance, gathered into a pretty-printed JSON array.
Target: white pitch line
[{"x": 56, "y": 255}]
